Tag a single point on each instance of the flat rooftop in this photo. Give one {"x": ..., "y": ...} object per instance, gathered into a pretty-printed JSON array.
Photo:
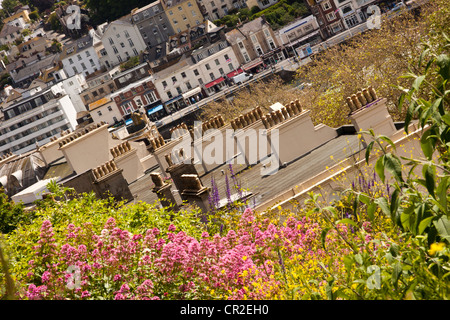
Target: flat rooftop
[{"x": 264, "y": 188}]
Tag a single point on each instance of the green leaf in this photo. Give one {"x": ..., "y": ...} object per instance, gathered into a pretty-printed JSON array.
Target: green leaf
[
  {"x": 393, "y": 249},
  {"x": 389, "y": 141},
  {"x": 427, "y": 144},
  {"x": 347, "y": 221},
  {"x": 371, "y": 210},
  {"x": 364, "y": 198},
  {"x": 446, "y": 118},
  {"x": 379, "y": 168},
  {"x": 443, "y": 227},
  {"x": 323, "y": 236},
  {"x": 396, "y": 272},
  {"x": 429, "y": 174},
  {"x": 395, "y": 202},
  {"x": 417, "y": 82},
  {"x": 442, "y": 191},
  {"x": 394, "y": 166},
  {"x": 424, "y": 224},
  {"x": 383, "y": 204},
  {"x": 368, "y": 150}
]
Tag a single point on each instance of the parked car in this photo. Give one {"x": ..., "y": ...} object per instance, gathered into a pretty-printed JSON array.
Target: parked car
[
  {"x": 242, "y": 77},
  {"x": 398, "y": 6}
]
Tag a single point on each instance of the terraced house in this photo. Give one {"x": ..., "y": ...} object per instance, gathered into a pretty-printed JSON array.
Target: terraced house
[{"x": 182, "y": 14}]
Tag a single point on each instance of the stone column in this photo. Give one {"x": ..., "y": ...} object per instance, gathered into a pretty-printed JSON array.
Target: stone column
[{"x": 177, "y": 170}]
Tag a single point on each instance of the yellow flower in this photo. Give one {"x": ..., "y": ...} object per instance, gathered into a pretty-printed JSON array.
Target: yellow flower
[
  {"x": 435, "y": 247},
  {"x": 244, "y": 258}
]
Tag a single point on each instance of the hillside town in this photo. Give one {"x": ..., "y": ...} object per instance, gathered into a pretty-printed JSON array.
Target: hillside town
[{"x": 224, "y": 150}]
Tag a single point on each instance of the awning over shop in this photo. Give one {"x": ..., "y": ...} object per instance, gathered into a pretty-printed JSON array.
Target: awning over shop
[
  {"x": 173, "y": 100},
  {"x": 235, "y": 72},
  {"x": 191, "y": 92},
  {"x": 213, "y": 83},
  {"x": 154, "y": 109},
  {"x": 302, "y": 39},
  {"x": 252, "y": 64}
]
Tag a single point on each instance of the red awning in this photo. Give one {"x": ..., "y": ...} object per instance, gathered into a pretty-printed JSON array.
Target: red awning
[
  {"x": 235, "y": 72},
  {"x": 252, "y": 64},
  {"x": 212, "y": 83}
]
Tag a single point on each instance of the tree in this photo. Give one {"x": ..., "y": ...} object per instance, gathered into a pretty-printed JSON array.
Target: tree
[{"x": 9, "y": 5}]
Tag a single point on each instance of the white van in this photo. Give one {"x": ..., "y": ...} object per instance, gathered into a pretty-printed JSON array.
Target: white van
[{"x": 242, "y": 77}]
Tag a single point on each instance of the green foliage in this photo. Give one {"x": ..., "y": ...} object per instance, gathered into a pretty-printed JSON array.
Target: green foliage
[
  {"x": 108, "y": 10},
  {"x": 34, "y": 15},
  {"x": 132, "y": 62},
  {"x": 11, "y": 214},
  {"x": 277, "y": 15},
  {"x": 9, "y": 5}
]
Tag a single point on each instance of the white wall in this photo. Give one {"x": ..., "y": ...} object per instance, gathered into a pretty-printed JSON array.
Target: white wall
[
  {"x": 116, "y": 32},
  {"x": 85, "y": 59}
]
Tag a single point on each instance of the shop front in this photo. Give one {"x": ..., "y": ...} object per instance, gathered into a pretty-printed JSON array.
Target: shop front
[
  {"x": 175, "y": 104},
  {"x": 193, "y": 96},
  {"x": 254, "y": 66},
  {"x": 215, "y": 86}
]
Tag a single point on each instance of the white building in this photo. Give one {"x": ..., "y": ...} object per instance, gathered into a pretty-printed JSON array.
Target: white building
[
  {"x": 80, "y": 57},
  {"x": 72, "y": 86},
  {"x": 35, "y": 118},
  {"x": 353, "y": 12},
  {"x": 205, "y": 71},
  {"x": 121, "y": 40},
  {"x": 216, "y": 9},
  {"x": 106, "y": 110}
]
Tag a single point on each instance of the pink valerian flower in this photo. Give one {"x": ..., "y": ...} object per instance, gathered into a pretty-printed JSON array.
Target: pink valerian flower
[
  {"x": 117, "y": 277},
  {"x": 110, "y": 224},
  {"x": 119, "y": 296},
  {"x": 172, "y": 228},
  {"x": 45, "y": 276},
  {"x": 85, "y": 294}
]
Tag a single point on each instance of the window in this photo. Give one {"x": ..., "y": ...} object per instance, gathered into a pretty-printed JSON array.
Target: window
[
  {"x": 115, "y": 49},
  {"x": 230, "y": 65},
  {"x": 136, "y": 53},
  {"x": 164, "y": 26},
  {"x": 188, "y": 85},
  {"x": 99, "y": 113},
  {"x": 183, "y": 74},
  {"x": 189, "y": 4},
  {"x": 213, "y": 4},
  {"x": 103, "y": 52},
  {"x": 179, "y": 90},
  {"x": 174, "y": 79},
  {"x": 83, "y": 66},
  {"x": 86, "y": 97},
  {"x": 119, "y": 58},
  {"x": 117, "y": 35},
  {"x": 75, "y": 70},
  {"x": 196, "y": 72},
  {"x": 217, "y": 62},
  {"x": 200, "y": 81},
  {"x": 70, "y": 61},
  {"x": 127, "y": 54},
  {"x": 226, "y": 57},
  {"x": 174, "y": 21},
  {"x": 79, "y": 57},
  {"x": 184, "y": 17},
  {"x": 94, "y": 93},
  {"x": 212, "y": 76},
  {"x": 330, "y": 16},
  {"x": 127, "y": 108},
  {"x": 164, "y": 84},
  {"x": 92, "y": 62},
  {"x": 131, "y": 42},
  {"x": 169, "y": 94},
  {"x": 111, "y": 41},
  {"x": 221, "y": 71},
  {"x": 170, "y": 12},
  {"x": 180, "y": 8},
  {"x": 326, "y": 6},
  {"x": 194, "y": 13},
  {"x": 122, "y": 45},
  {"x": 150, "y": 97},
  {"x": 101, "y": 90},
  {"x": 207, "y": 66}
]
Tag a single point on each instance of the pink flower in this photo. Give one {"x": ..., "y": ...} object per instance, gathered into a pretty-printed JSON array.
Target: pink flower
[
  {"x": 119, "y": 296},
  {"x": 117, "y": 277},
  {"x": 172, "y": 228},
  {"x": 85, "y": 294},
  {"x": 45, "y": 276}
]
